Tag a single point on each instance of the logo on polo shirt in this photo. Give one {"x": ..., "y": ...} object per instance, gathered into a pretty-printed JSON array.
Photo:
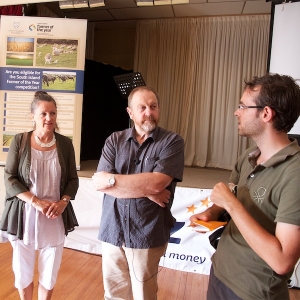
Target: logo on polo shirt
[{"x": 259, "y": 195}]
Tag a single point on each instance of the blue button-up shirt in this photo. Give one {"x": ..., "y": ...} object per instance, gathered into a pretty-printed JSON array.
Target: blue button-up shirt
[{"x": 139, "y": 222}]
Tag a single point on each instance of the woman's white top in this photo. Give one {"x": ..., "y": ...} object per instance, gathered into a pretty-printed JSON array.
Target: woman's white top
[{"x": 45, "y": 175}]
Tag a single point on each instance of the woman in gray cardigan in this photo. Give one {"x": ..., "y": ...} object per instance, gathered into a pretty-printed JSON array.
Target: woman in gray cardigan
[{"x": 40, "y": 177}]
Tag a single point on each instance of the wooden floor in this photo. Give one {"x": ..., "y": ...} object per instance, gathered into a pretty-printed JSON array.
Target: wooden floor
[{"x": 80, "y": 278}]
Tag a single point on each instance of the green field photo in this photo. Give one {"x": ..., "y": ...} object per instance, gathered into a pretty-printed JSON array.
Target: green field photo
[
  {"x": 7, "y": 138},
  {"x": 59, "y": 81},
  {"x": 18, "y": 59},
  {"x": 60, "y": 53}
]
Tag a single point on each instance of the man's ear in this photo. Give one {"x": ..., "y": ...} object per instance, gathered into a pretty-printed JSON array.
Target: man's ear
[
  {"x": 129, "y": 112},
  {"x": 269, "y": 113}
]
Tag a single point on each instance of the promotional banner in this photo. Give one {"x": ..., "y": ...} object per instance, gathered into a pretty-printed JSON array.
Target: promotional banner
[
  {"x": 41, "y": 54},
  {"x": 189, "y": 247}
]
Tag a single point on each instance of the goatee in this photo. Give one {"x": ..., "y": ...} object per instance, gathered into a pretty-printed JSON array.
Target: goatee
[{"x": 149, "y": 125}]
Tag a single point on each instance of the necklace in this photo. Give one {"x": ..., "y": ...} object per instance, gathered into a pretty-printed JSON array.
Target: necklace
[{"x": 45, "y": 145}]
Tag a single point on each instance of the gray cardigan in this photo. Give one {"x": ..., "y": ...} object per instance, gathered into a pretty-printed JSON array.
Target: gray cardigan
[{"x": 16, "y": 179}]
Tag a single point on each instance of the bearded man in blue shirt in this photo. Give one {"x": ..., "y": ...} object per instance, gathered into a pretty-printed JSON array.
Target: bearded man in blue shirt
[{"x": 138, "y": 171}]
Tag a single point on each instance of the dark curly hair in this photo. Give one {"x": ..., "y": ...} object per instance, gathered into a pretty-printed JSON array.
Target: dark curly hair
[{"x": 282, "y": 94}]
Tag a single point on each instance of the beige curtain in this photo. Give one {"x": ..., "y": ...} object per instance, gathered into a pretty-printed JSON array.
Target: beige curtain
[{"x": 198, "y": 66}]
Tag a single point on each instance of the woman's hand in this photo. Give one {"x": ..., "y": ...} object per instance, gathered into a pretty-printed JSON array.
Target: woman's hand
[
  {"x": 56, "y": 209},
  {"x": 41, "y": 205},
  {"x": 48, "y": 208}
]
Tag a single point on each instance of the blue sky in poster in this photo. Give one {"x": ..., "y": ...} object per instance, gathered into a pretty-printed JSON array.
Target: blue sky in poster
[{"x": 19, "y": 39}]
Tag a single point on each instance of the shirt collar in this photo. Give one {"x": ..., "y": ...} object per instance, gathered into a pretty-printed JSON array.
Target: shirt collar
[
  {"x": 290, "y": 150},
  {"x": 132, "y": 133}
]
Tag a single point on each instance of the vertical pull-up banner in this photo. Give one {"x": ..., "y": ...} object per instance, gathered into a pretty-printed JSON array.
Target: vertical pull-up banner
[{"x": 41, "y": 54}]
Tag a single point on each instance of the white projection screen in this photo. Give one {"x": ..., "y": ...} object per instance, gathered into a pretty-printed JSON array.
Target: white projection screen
[{"x": 285, "y": 47}]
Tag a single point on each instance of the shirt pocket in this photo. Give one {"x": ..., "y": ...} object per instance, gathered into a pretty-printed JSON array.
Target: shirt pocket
[{"x": 149, "y": 164}]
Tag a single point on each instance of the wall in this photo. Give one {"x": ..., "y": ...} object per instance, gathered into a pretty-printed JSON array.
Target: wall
[
  {"x": 114, "y": 43},
  {"x": 286, "y": 45}
]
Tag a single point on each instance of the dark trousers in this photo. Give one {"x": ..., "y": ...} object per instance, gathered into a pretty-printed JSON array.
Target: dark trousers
[{"x": 217, "y": 290}]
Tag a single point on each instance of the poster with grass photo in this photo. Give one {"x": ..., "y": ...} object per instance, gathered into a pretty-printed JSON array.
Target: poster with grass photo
[{"x": 41, "y": 54}]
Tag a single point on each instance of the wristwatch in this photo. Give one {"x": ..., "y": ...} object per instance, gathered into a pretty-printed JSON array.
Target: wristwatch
[
  {"x": 65, "y": 200},
  {"x": 112, "y": 181}
]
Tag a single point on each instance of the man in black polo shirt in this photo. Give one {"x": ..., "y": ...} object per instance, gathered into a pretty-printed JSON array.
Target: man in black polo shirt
[{"x": 137, "y": 171}]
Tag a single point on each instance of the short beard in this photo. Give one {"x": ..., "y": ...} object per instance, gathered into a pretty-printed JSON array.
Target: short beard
[
  {"x": 251, "y": 130},
  {"x": 149, "y": 126}
]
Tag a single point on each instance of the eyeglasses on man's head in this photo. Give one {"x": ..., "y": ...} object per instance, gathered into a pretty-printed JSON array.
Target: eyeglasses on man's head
[{"x": 241, "y": 106}]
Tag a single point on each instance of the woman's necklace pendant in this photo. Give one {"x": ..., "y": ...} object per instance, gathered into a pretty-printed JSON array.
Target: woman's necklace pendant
[{"x": 45, "y": 145}]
